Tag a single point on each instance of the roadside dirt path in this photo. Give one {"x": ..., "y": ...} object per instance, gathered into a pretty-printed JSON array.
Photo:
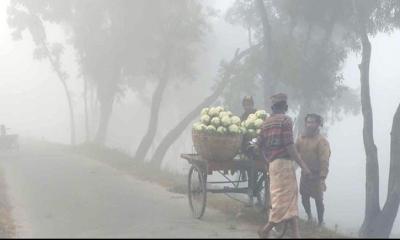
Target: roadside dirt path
[{"x": 56, "y": 194}]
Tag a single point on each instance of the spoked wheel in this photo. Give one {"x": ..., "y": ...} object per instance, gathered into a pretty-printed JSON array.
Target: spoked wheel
[{"x": 197, "y": 191}]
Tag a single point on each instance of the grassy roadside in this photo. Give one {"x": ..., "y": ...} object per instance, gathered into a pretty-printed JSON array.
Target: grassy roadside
[
  {"x": 177, "y": 183},
  {"x": 7, "y": 226}
]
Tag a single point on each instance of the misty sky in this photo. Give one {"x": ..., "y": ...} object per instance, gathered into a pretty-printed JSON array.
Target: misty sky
[{"x": 32, "y": 104}]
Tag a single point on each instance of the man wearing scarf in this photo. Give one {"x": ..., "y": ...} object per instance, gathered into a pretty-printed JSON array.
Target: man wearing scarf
[{"x": 315, "y": 151}]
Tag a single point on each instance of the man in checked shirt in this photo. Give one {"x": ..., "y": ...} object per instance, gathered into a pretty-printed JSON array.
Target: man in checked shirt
[{"x": 277, "y": 145}]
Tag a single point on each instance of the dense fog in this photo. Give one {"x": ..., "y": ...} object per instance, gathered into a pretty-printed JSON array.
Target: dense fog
[{"x": 34, "y": 106}]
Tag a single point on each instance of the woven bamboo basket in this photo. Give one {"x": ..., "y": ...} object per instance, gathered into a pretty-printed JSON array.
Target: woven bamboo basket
[{"x": 216, "y": 147}]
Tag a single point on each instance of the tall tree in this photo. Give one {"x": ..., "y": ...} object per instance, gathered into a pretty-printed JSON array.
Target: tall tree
[
  {"x": 100, "y": 51},
  {"x": 22, "y": 15},
  {"x": 370, "y": 18},
  {"x": 310, "y": 75},
  {"x": 86, "y": 109},
  {"x": 110, "y": 39},
  {"x": 372, "y": 207},
  {"x": 181, "y": 24}
]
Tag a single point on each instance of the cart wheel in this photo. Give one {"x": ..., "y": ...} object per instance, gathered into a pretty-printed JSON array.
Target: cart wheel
[{"x": 197, "y": 191}]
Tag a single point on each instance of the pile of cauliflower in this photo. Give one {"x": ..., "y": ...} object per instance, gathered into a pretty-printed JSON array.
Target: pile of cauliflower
[
  {"x": 253, "y": 123},
  {"x": 218, "y": 121}
]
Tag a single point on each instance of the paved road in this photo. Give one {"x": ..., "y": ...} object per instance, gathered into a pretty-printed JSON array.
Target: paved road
[{"x": 56, "y": 194}]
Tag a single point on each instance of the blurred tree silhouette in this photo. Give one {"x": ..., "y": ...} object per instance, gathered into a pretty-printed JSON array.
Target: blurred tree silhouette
[
  {"x": 23, "y": 16},
  {"x": 180, "y": 26},
  {"x": 310, "y": 75},
  {"x": 122, "y": 44}
]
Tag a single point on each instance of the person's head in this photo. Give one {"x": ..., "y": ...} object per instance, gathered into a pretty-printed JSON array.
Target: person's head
[
  {"x": 279, "y": 103},
  {"x": 248, "y": 103},
  {"x": 313, "y": 122}
]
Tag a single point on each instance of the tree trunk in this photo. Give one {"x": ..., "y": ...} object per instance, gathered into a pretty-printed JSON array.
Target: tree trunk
[
  {"x": 62, "y": 77},
  {"x": 372, "y": 208},
  {"x": 106, "y": 105},
  {"x": 305, "y": 106},
  {"x": 93, "y": 112},
  {"x": 71, "y": 112},
  {"x": 381, "y": 224},
  {"x": 299, "y": 122},
  {"x": 85, "y": 101},
  {"x": 107, "y": 90},
  {"x": 391, "y": 207},
  {"x": 267, "y": 41},
  {"x": 174, "y": 134},
  {"x": 377, "y": 223},
  {"x": 145, "y": 144}
]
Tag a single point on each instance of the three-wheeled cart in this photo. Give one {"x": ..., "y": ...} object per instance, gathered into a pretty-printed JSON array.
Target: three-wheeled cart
[{"x": 253, "y": 184}]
